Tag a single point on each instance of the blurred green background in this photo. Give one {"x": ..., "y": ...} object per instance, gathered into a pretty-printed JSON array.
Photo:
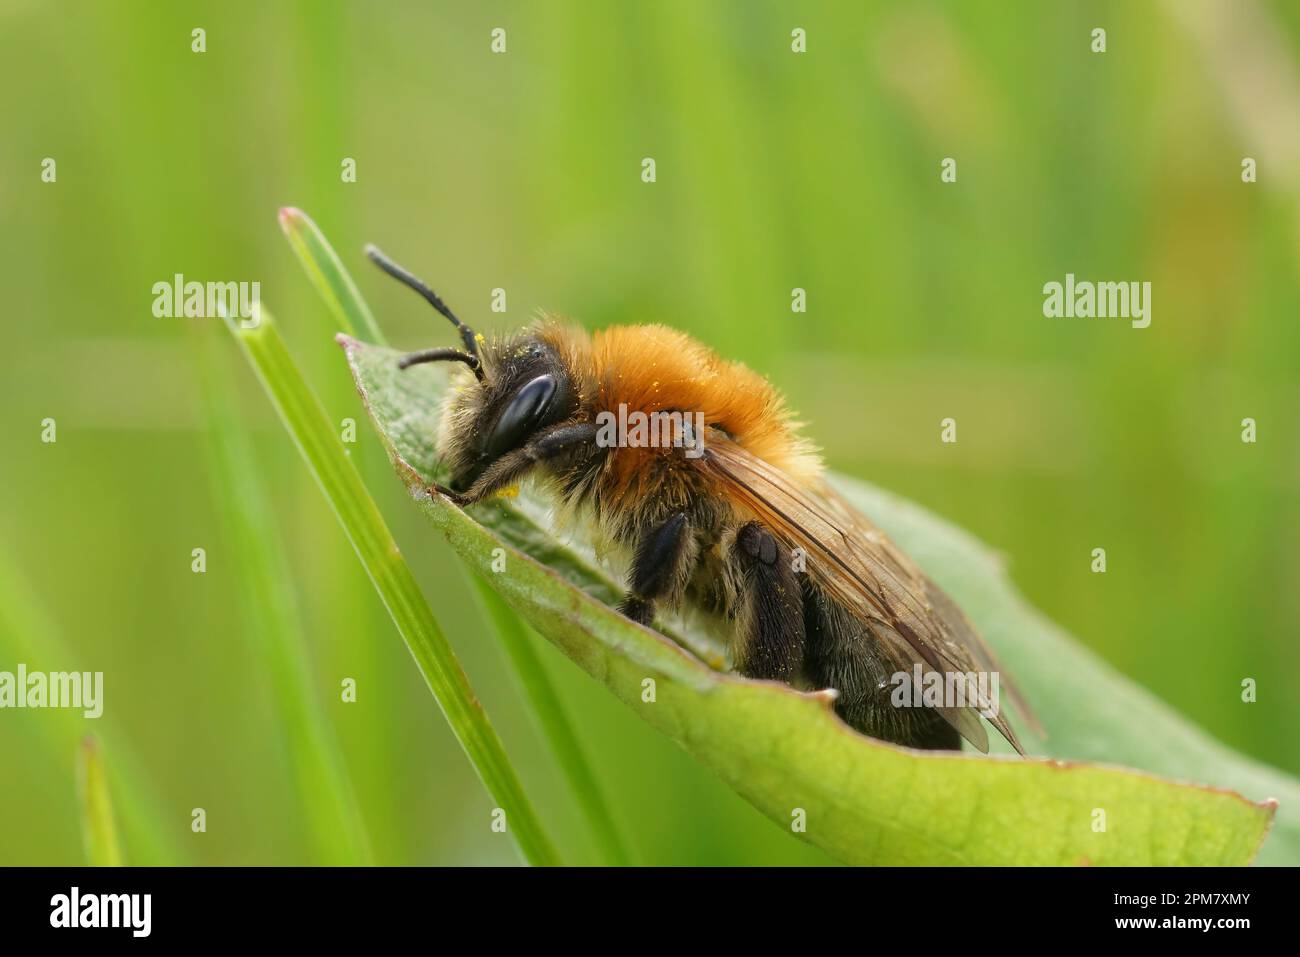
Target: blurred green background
[{"x": 522, "y": 171}]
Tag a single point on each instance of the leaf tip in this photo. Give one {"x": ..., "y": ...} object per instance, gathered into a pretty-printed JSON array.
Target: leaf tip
[
  {"x": 349, "y": 346},
  {"x": 290, "y": 217}
]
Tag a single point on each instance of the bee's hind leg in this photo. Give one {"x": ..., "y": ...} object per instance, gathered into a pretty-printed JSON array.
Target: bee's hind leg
[
  {"x": 769, "y": 616},
  {"x": 661, "y": 564}
]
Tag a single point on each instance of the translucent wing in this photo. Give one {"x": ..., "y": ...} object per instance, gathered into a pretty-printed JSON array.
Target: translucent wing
[
  {"x": 857, "y": 566},
  {"x": 950, "y": 614}
]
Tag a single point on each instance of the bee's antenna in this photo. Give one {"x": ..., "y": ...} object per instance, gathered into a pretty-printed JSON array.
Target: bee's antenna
[
  {"x": 442, "y": 355},
  {"x": 401, "y": 275}
]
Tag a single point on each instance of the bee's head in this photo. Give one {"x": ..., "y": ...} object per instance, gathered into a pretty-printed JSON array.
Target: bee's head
[
  {"x": 520, "y": 386},
  {"x": 527, "y": 386}
]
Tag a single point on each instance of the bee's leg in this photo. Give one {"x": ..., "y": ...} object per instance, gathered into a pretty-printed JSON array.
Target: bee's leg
[
  {"x": 770, "y": 623},
  {"x": 661, "y": 564},
  {"x": 511, "y": 467}
]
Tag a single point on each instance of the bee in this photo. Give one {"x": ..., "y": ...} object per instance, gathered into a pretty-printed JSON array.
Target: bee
[{"x": 740, "y": 525}]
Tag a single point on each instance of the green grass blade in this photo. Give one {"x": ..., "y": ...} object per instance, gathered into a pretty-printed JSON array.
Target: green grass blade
[
  {"x": 306, "y": 421},
  {"x": 328, "y": 275},
  {"x": 554, "y": 722},
  {"x": 98, "y": 825},
  {"x": 334, "y": 821},
  {"x": 27, "y": 634}
]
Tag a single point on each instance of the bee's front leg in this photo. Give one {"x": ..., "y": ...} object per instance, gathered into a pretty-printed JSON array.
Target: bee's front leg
[
  {"x": 661, "y": 564},
  {"x": 455, "y": 497},
  {"x": 514, "y": 465}
]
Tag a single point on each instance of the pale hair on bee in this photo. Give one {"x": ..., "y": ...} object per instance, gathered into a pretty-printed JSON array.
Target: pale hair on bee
[{"x": 812, "y": 593}]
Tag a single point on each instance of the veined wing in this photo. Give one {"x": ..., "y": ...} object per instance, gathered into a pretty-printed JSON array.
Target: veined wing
[{"x": 856, "y": 565}]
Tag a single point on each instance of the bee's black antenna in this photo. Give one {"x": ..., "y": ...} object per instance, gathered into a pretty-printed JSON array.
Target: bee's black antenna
[
  {"x": 401, "y": 275},
  {"x": 442, "y": 355}
]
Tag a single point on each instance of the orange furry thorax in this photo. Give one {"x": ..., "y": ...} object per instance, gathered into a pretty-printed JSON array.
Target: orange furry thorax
[{"x": 653, "y": 368}]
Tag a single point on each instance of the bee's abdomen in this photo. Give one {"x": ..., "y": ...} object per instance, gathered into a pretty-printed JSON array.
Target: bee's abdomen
[{"x": 843, "y": 653}]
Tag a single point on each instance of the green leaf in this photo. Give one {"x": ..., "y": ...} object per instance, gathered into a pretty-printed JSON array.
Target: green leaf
[
  {"x": 555, "y": 724},
  {"x": 864, "y": 801},
  {"x": 98, "y": 825},
  {"x": 312, "y": 431},
  {"x": 328, "y": 275}
]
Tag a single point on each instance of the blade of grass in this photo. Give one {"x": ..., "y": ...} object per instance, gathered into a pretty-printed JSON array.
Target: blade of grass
[
  {"x": 334, "y": 821},
  {"x": 98, "y": 825},
  {"x": 378, "y": 765},
  {"x": 28, "y": 634},
  {"x": 306, "y": 420},
  {"x": 554, "y": 723},
  {"x": 328, "y": 275}
]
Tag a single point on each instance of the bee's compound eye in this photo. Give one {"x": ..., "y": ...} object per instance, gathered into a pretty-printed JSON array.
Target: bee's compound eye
[{"x": 522, "y": 416}]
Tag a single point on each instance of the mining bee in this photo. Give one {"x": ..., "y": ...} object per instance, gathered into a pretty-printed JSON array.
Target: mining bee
[{"x": 740, "y": 525}]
